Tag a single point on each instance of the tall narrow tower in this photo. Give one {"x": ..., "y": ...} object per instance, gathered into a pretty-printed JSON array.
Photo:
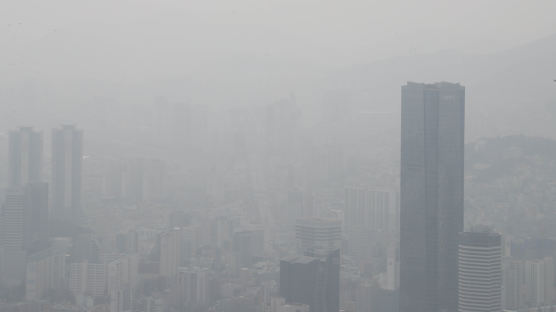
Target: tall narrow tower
[
  {"x": 25, "y": 158},
  {"x": 431, "y": 195},
  {"x": 67, "y": 153}
]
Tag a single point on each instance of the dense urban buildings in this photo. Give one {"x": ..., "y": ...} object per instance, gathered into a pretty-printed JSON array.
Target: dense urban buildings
[
  {"x": 277, "y": 156},
  {"x": 431, "y": 195},
  {"x": 274, "y": 225}
]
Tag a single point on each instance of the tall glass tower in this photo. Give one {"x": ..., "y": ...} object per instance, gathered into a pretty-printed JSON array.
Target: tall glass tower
[{"x": 431, "y": 195}]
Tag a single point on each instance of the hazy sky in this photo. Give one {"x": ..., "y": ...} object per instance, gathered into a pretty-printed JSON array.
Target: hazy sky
[
  {"x": 332, "y": 32},
  {"x": 209, "y": 43}
]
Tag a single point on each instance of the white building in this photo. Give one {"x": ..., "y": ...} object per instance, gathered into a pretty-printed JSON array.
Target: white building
[
  {"x": 45, "y": 270},
  {"x": 87, "y": 279},
  {"x": 121, "y": 279},
  {"x": 539, "y": 281},
  {"x": 480, "y": 272},
  {"x": 370, "y": 216}
]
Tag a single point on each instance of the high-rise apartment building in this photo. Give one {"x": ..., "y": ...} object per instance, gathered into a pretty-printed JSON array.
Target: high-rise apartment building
[
  {"x": 12, "y": 238},
  {"x": 13, "y": 219},
  {"x": 67, "y": 154},
  {"x": 371, "y": 217},
  {"x": 528, "y": 283},
  {"x": 431, "y": 195},
  {"x": 480, "y": 272},
  {"x": 169, "y": 243},
  {"x": 192, "y": 287},
  {"x": 248, "y": 246},
  {"x": 539, "y": 282},
  {"x": 24, "y": 216},
  {"x": 25, "y": 157},
  {"x": 375, "y": 210},
  {"x": 46, "y": 270},
  {"x": 121, "y": 275},
  {"x": 87, "y": 278}
]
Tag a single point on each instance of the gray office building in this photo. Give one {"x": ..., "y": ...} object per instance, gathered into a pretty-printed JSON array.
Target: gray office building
[
  {"x": 25, "y": 157},
  {"x": 67, "y": 154},
  {"x": 431, "y": 195}
]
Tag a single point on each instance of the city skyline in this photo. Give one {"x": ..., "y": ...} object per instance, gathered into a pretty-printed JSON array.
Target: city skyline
[{"x": 278, "y": 156}]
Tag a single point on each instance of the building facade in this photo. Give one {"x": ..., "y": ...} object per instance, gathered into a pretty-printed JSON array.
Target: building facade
[
  {"x": 480, "y": 272},
  {"x": 318, "y": 237},
  {"x": 312, "y": 281},
  {"x": 431, "y": 195},
  {"x": 25, "y": 156},
  {"x": 67, "y": 154},
  {"x": 371, "y": 216}
]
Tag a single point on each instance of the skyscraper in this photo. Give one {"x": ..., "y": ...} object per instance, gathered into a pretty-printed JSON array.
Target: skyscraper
[
  {"x": 480, "y": 272},
  {"x": 431, "y": 195},
  {"x": 25, "y": 158},
  {"x": 67, "y": 153}
]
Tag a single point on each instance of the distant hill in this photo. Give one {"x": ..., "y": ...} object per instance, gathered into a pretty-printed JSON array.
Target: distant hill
[
  {"x": 511, "y": 92},
  {"x": 511, "y": 184}
]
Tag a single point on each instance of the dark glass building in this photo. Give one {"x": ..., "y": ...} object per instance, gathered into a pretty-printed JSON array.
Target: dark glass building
[
  {"x": 313, "y": 281},
  {"x": 431, "y": 195}
]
